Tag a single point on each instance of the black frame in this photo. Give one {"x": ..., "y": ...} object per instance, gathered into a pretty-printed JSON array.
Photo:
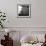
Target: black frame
[{"x": 29, "y": 9}]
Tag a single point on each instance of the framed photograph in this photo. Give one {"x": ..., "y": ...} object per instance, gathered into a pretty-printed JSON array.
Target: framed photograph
[{"x": 23, "y": 10}]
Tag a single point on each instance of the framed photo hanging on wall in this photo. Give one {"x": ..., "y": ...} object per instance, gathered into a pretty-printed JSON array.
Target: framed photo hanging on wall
[{"x": 24, "y": 10}]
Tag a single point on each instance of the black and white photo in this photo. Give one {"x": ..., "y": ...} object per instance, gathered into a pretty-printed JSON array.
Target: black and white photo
[{"x": 23, "y": 10}]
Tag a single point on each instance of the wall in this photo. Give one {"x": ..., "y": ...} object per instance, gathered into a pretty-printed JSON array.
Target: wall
[
  {"x": 37, "y": 22},
  {"x": 38, "y": 13}
]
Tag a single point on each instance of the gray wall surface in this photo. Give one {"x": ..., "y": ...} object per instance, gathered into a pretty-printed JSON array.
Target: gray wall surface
[
  {"x": 37, "y": 22},
  {"x": 38, "y": 13}
]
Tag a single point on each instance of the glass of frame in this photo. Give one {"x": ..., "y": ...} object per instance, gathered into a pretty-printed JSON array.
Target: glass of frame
[{"x": 24, "y": 10}]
